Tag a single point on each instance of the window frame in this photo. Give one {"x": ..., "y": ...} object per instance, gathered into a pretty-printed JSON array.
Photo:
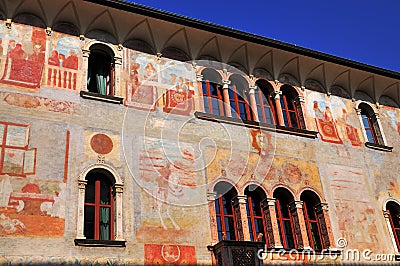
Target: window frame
[
  {"x": 308, "y": 222},
  {"x": 286, "y": 110},
  {"x": 236, "y": 102},
  {"x": 281, "y": 228},
  {"x": 208, "y": 97},
  {"x": 251, "y": 220},
  {"x": 366, "y": 117},
  {"x": 222, "y": 215},
  {"x": 97, "y": 209},
  {"x": 391, "y": 223},
  {"x": 260, "y": 104}
]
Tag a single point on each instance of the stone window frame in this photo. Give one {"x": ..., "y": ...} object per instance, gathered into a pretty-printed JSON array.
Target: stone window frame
[
  {"x": 387, "y": 218},
  {"x": 80, "y": 239}
]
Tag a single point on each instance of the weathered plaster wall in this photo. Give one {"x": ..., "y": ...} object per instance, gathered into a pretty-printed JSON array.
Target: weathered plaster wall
[{"x": 40, "y": 80}]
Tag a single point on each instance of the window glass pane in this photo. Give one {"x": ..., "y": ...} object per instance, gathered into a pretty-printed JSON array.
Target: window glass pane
[
  {"x": 288, "y": 234},
  {"x": 290, "y": 104},
  {"x": 206, "y": 109},
  {"x": 88, "y": 229},
  {"x": 204, "y": 87},
  {"x": 293, "y": 119},
  {"x": 90, "y": 191},
  {"x": 230, "y": 229},
  {"x": 231, "y": 94},
  {"x": 285, "y": 119},
  {"x": 227, "y": 206},
  {"x": 105, "y": 193},
  {"x": 219, "y": 224},
  {"x": 315, "y": 238},
  {"x": 250, "y": 229},
  {"x": 370, "y": 136},
  {"x": 233, "y": 110},
  {"x": 365, "y": 120},
  {"x": 104, "y": 223},
  {"x": 217, "y": 206},
  {"x": 268, "y": 115},
  {"x": 242, "y": 109},
  {"x": 215, "y": 105},
  {"x": 214, "y": 89}
]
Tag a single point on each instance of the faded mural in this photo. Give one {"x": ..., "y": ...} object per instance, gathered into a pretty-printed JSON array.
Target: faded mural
[
  {"x": 168, "y": 182},
  {"x": 32, "y": 204},
  {"x": 152, "y": 82}
]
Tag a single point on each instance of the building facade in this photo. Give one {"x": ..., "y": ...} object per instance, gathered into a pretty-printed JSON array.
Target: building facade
[{"x": 134, "y": 136}]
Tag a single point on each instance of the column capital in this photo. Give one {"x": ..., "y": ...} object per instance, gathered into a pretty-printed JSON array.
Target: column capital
[
  {"x": 211, "y": 196},
  {"x": 300, "y": 99},
  {"x": 118, "y": 60},
  {"x": 119, "y": 188},
  {"x": 85, "y": 53},
  {"x": 297, "y": 204},
  {"x": 321, "y": 207},
  {"x": 358, "y": 111},
  {"x": 8, "y": 23},
  {"x": 240, "y": 199},
  {"x": 386, "y": 214},
  {"x": 82, "y": 184},
  {"x": 226, "y": 84},
  {"x": 277, "y": 94},
  {"x": 199, "y": 77},
  {"x": 49, "y": 31},
  {"x": 269, "y": 202}
]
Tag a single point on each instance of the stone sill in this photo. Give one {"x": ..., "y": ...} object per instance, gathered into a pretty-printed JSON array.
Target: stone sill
[
  {"x": 99, "y": 243},
  {"x": 257, "y": 125},
  {"x": 378, "y": 147},
  {"x": 101, "y": 97}
]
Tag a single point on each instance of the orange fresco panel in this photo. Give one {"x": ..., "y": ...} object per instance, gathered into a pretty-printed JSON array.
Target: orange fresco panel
[{"x": 157, "y": 254}]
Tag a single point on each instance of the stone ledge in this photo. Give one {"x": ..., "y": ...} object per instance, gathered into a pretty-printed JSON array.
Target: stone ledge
[
  {"x": 99, "y": 243},
  {"x": 257, "y": 125},
  {"x": 378, "y": 147},
  {"x": 100, "y": 97}
]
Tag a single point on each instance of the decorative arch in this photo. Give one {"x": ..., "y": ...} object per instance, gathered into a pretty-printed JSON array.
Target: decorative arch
[
  {"x": 67, "y": 28},
  {"x": 139, "y": 45},
  {"x": 391, "y": 213},
  {"x": 102, "y": 36},
  {"x": 29, "y": 19}
]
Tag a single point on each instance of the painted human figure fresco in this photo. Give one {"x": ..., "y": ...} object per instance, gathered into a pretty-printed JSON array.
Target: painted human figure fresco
[
  {"x": 169, "y": 178},
  {"x": 141, "y": 81},
  {"x": 25, "y": 57},
  {"x": 63, "y": 62},
  {"x": 180, "y": 78},
  {"x": 321, "y": 111}
]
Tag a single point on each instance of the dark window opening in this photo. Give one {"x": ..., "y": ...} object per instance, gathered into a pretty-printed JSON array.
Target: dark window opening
[
  {"x": 255, "y": 214},
  {"x": 290, "y": 108},
  {"x": 394, "y": 217},
  {"x": 284, "y": 217},
  {"x": 310, "y": 202},
  {"x": 101, "y": 70}
]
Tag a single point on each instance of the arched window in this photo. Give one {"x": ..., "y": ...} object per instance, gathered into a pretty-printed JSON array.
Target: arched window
[
  {"x": 264, "y": 102},
  {"x": 212, "y": 93},
  {"x": 393, "y": 210},
  {"x": 310, "y": 202},
  {"x": 284, "y": 217},
  {"x": 238, "y": 98},
  {"x": 290, "y": 108},
  {"x": 101, "y": 70},
  {"x": 255, "y": 215},
  {"x": 370, "y": 124},
  {"x": 225, "y": 215},
  {"x": 99, "y": 206}
]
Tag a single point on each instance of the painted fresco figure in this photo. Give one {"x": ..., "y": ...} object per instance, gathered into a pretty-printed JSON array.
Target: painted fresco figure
[
  {"x": 167, "y": 191},
  {"x": 54, "y": 58},
  {"x": 71, "y": 61}
]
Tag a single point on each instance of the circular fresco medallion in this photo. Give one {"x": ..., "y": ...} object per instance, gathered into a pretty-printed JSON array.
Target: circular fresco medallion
[{"x": 101, "y": 144}]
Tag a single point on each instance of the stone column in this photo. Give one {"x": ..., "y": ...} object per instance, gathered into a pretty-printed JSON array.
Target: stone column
[
  {"x": 225, "y": 95},
  {"x": 279, "y": 115},
  {"x": 85, "y": 65},
  {"x": 117, "y": 76},
  {"x": 242, "y": 225},
  {"x": 274, "y": 239},
  {"x": 200, "y": 100},
  {"x": 324, "y": 222},
  {"x": 300, "y": 229},
  {"x": 119, "y": 189},
  {"x": 81, "y": 209},
  {"x": 300, "y": 106},
  {"x": 378, "y": 130},
  {"x": 211, "y": 196},
  {"x": 386, "y": 215},
  {"x": 253, "y": 104}
]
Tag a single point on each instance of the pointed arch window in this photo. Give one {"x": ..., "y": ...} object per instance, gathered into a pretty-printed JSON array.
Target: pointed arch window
[
  {"x": 225, "y": 214},
  {"x": 255, "y": 215},
  {"x": 284, "y": 217}
]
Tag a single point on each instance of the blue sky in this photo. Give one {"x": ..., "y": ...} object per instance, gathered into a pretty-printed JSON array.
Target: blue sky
[{"x": 367, "y": 31}]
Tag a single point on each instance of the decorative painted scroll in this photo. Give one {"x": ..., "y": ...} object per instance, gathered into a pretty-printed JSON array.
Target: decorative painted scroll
[{"x": 157, "y": 254}]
